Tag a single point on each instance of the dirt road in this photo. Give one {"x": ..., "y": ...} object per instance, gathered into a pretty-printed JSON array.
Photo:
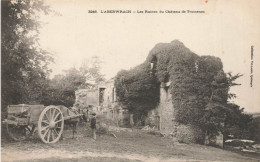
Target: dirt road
[
  {"x": 43, "y": 154},
  {"x": 130, "y": 145}
]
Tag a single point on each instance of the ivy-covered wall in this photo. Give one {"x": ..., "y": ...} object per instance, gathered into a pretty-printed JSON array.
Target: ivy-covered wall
[
  {"x": 198, "y": 85},
  {"x": 137, "y": 90}
]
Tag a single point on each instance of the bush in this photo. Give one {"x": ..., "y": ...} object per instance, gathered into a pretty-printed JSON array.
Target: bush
[
  {"x": 137, "y": 90},
  {"x": 103, "y": 124},
  {"x": 189, "y": 134}
]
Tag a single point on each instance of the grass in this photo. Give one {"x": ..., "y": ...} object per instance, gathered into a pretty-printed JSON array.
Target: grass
[{"x": 131, "y": 145}]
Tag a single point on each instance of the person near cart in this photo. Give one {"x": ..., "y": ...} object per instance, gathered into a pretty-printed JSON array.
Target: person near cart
[{"x": 93, "y": 125}]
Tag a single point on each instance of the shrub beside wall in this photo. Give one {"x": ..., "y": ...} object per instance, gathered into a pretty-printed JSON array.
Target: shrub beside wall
[
  {"x": 188, "y": 133},
  {"x": 137, "y": 90}
]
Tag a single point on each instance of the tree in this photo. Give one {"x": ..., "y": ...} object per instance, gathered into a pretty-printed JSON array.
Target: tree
[
  {"x": 61, "y": 90},
  {"x": 137, "y": 90},
  {"x": 231, "y": 82},
  {"x": 220, "y": 115},
  {"x": 90, "y": 69},
  {"x": 24, "y": 64},
  {"x": 241, "y": 125}
]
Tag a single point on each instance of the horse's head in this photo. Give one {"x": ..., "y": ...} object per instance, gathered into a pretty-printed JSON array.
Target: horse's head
[{"x": 64, "y": 110}]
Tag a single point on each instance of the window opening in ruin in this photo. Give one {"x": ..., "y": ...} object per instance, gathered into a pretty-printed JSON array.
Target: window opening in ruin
[
  {"x": 153, "y": 65},
  {"x": 167, "y": 78},
  {"x": 167, "y": 85}
]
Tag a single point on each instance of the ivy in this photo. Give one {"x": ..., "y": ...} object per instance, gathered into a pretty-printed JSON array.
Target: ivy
[
  {"x": 137, "y": 90},
  {"x": 198, "y": 84}
]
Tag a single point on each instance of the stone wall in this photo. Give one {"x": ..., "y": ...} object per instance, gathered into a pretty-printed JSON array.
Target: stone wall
[
  {"x": 102, "y": 100},
  {"x": 162, "y": 116},
  {"x": 109, "y": 93},
  {"x": 165, "y": 109},
  {"x": 153, "y": 119},
  {"x": 86, "y": 97}
]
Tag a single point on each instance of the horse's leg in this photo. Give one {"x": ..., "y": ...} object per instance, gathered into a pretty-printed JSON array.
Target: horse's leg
[
  {"x": 76, "y": 125},
  {"x": 73, "y": 129}
]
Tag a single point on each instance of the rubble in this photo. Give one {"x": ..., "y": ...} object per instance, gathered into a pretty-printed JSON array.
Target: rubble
[{"x": 148, "y": 128}]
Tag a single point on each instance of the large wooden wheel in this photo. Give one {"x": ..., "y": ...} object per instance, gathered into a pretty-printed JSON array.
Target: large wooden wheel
[
  {"x": 18, "y": 132},
  {"x": 50, "y": 124}
]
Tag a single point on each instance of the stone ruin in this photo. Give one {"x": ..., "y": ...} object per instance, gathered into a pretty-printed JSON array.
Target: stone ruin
[{"x": 103, "y": 101}]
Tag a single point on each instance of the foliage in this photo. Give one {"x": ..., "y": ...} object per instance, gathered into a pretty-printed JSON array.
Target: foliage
[
  {"x": 199, "y": 86},
  {"x": 90, "y": 69},
  {"x": 241, "y": 125},
  {"x": 61, "y": 90},
  {"x": 231, "y": 82},
  {"x": 219, "y": 113},
  {"x": 24, "y": 64},
  {"x": 137, "y": 90},
  {"x": 254, "y": 129}
]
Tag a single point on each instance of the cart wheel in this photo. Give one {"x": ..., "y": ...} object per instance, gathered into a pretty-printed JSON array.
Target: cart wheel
[
  {"x": 18, "y": 132},
  {"x": 50, "y": 124}
]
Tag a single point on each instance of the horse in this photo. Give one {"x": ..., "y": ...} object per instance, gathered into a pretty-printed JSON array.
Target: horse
[{"x": 73, "y": 121}]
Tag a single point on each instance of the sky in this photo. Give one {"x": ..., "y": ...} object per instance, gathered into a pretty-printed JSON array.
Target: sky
[{"x": 226, "y": 30}]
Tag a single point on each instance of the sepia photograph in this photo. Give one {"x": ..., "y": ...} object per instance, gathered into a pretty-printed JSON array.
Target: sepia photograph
[{"x": 128, "y": 80}]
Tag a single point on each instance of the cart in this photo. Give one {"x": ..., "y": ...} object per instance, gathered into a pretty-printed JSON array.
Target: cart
[{"x": 23, "y": 120}]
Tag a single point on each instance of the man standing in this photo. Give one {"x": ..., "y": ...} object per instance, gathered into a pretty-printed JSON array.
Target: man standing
[{"x": 93, "y": 125}]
